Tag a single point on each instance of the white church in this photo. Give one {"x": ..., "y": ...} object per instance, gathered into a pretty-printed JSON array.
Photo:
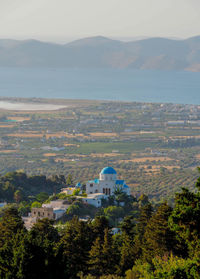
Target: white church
[
  {"x": 107, "y": 183},
  {"x": 102, "y": 188}
]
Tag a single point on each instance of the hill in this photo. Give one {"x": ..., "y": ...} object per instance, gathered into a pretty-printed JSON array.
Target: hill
[{"x": 101, "y": 52}]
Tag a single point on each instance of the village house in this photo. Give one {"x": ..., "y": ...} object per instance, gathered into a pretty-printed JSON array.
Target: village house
[{"x": 42, "y": 212}]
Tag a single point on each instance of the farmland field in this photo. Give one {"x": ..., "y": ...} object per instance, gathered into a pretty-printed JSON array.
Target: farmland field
[{"x": 155, "y": 147}]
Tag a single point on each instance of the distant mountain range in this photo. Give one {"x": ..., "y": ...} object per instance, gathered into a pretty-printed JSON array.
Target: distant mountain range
[{"x": 101, "y": 52}]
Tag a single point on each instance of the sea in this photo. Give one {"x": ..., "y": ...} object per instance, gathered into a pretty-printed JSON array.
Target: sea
[{"x": 101, "y": 84}]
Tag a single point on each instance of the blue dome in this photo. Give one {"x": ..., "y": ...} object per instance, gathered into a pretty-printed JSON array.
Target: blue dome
[
  {"x": 108, "y": 170},
  {"x": 78, "y": 184}
]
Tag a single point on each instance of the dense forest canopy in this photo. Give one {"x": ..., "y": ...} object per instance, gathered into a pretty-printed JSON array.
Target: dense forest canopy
[
  {"x": 153, "y": 242},
  {"x": 14, "y": 184}
]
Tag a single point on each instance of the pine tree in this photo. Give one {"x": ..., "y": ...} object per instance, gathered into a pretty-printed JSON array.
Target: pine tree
[
  {"x": 34, "y": 255},
  {"x": 10, "y": 224},
  {"x": 8, "y": 265},
  {"x": 108, "y": 254},
  {"x": 69, "y": 180},
  {"x": 144, "y": 216},
  {"x": 73, "y": 248},
  {"x": 96, "y": 258},
  {"x": 102, "y": 256},
  {"x": 128, "y": 246},
  {"x": 185, "y": 221},
  {"x": 99, "y": 225},
  {"x": 158, "y": 238},
  {"x": 128, "y": 257},
  {"x": 128, "y": 226}
]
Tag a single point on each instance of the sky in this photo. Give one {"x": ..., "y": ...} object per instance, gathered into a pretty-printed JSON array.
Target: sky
[{"x": 65, "y": 20}]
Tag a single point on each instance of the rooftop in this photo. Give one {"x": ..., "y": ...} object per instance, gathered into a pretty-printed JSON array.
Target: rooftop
[
  {"x": 108, "y": 170},
  {"x": 119, "y": 182},
  {"x": 94, "y": 181},
  {"x": 93, "y": 196}
]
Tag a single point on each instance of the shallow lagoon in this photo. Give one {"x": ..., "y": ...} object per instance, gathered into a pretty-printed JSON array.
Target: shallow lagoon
[{"x": 28, "y": 106}]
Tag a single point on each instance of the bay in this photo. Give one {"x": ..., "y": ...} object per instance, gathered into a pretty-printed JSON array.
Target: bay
[{"x": 101, "y": 84}]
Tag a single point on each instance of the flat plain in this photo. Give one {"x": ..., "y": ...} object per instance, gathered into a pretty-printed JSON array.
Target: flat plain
[{"x": 155, "y": 147}]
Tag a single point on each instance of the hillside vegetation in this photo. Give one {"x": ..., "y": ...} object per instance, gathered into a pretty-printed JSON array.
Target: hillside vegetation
[{"x": 151, "y": 242}]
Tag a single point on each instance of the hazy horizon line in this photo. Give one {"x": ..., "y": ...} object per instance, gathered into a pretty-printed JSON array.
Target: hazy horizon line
[{"x": 119, "y": 38}]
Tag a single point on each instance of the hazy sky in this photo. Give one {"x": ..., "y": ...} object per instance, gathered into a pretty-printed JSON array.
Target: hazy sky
[{"x": 63, "y": 20}]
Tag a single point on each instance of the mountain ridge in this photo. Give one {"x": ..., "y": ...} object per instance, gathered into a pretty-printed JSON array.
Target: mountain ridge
[{"x": 101, "y": 52}]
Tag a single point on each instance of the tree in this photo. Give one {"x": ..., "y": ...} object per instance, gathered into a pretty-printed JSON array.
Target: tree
[
  {"x": 127, "y": 257},
  {"x": 165, "y": 268},
  {"x": 8, "y": 190},
  {"x": 99, "y": 225},
  {"x": 35, "y": 256},
  {"x": 114, "y": 213},
  {"x": 42, "y": 197},
  {"x": 73, "y": 248},
  {"x": 101, "y": 256},
  {"x": 24, "y": 208},
  {"x": 108, "y": 252},
  {"x": 128, "y": 226},
  {"x": 36, "y": 204},
  {"x": 18, "y": 196},
  {"x": 73, "y": 210},
  {"x": 95, "y": 258},
  {"x": 62, "y": 179},
  {"x": 144, "y": 216},
  {"x": 158, "y": 237},
  {"x": 184, "y": 220},
  {"x": 143, "y": 200},
  {"x": 76, "y": 192},
  {"x": 10, "y": 224},
  {"x": 69, "y": 180}
]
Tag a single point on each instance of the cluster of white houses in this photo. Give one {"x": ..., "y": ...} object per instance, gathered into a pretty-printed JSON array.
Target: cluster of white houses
[{"x": 96, "y": 190}]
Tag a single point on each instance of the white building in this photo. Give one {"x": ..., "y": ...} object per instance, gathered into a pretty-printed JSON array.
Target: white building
[
  {"x": 107, "y": 183},
  {"x": 68, "y": 190},
  {"x": 93, "y": 199}
]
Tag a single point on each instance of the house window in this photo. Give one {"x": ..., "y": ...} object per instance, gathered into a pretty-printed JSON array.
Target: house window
[
  {"x": 104, "y": 190},
  {"x": 109, "y": 192},
  {"x": 91, "y": 185}
]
